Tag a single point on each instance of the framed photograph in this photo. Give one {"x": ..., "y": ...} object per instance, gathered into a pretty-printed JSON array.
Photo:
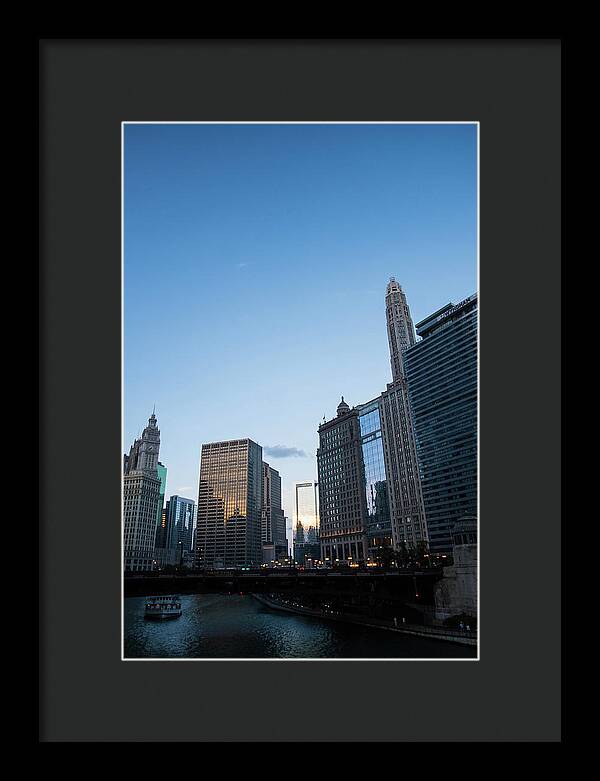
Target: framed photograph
[
  {"x": 284, "y": 285},
  {"x": 350, "y": 537}
]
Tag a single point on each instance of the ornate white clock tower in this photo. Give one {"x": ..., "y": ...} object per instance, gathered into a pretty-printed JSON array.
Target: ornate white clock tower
[
  {"x": 149, "y": 447},
  {"x": 143, "y": 456},
  {"x": 141, "y": 499}
]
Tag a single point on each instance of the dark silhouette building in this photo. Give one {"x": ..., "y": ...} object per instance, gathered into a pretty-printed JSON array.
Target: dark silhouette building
[
  {"x": 441, "y": 371},
  {"x": 341, "y": 488},
  {"x": 273, "y": 531}
]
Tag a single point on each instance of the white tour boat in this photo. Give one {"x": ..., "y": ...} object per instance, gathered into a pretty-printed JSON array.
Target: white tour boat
[{"x": 163, "y": 607}]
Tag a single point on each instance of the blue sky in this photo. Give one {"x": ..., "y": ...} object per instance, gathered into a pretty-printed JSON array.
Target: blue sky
[{"x": 256, "y": 261}]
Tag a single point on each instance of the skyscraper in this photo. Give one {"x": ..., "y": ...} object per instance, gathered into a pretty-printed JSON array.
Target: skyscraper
[
  {"x": 141, "y": 498},
  {"x": 307, "y": 505},
  {"x": 378, "y": 523},
  {"x": 341, "y": 487},
  {"x": 161, "y": 532},
  {"x": 441, "y": 371},
  {"x": 281, "y": 544},
  {"x": 162, "y": 474},
  {"x": 229, "y": 518},
  {"x": 273, "y": 520},
  {"x": 143, "y": 454},
  {"x": 400, "y": 329},
  {"x": 408, "y": 521},
  {"x": 299, "y": 543},
  {"x": 306, "y": 539},
  {"x": 266, "y": 529},
  {"x": 180, "y": 523}
]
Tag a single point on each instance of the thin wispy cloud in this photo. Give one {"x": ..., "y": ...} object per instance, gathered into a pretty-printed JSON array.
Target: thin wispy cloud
[
  {"x": 281, "y": 451},
  {"x": 241, "y": 265}
]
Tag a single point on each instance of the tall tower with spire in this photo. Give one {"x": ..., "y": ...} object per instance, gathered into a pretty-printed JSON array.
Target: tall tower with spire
[
  {"x": 400, "y": 328},
  {"x": 409, "y": 527},
  {"x": 141, "y": 499},
  {"x": 143, "y": 454}
]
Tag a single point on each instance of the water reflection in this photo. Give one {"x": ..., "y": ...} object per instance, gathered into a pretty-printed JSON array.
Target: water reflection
[{"x": 236, "y": 626}]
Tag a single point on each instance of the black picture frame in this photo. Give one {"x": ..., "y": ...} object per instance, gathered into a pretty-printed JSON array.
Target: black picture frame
[{"x": 87, "y": 87}]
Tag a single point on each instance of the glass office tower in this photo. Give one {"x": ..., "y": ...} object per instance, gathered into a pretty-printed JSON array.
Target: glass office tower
[
  {"x": 307, "y": 505},
  {"x": 161, "y": 532},
  {"x": 229, "y": 522},
  {"x": 307, "y": 545},
  {"x": 378, "y": 525},
  {"x": 441, "y": 372},
  {"x": 180, "y": 523},
  {"x": 162, "y": 474}
]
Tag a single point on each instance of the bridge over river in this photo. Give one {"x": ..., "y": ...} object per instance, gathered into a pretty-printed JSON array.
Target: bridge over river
[{"x": 408, "y": 593}]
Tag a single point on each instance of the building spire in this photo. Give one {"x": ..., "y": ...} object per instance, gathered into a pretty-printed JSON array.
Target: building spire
[
  {"x": 342, "y": 408},
  {"x": 401, "y": 331}
]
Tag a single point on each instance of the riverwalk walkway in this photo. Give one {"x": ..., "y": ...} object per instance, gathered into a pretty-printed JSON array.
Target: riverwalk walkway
[{"x": 432, "y": 632}]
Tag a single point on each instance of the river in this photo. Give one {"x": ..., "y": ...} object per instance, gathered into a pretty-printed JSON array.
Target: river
[{"x": 238, "y": 626}]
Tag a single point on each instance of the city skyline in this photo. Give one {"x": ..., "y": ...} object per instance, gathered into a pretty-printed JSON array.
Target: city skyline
[{"x": 321, "y": 308}]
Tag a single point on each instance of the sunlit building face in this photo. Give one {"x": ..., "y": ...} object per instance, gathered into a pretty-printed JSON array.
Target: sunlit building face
[
  {"x": 307, "y": 505},
  {"x": 228, "y": 531}
]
